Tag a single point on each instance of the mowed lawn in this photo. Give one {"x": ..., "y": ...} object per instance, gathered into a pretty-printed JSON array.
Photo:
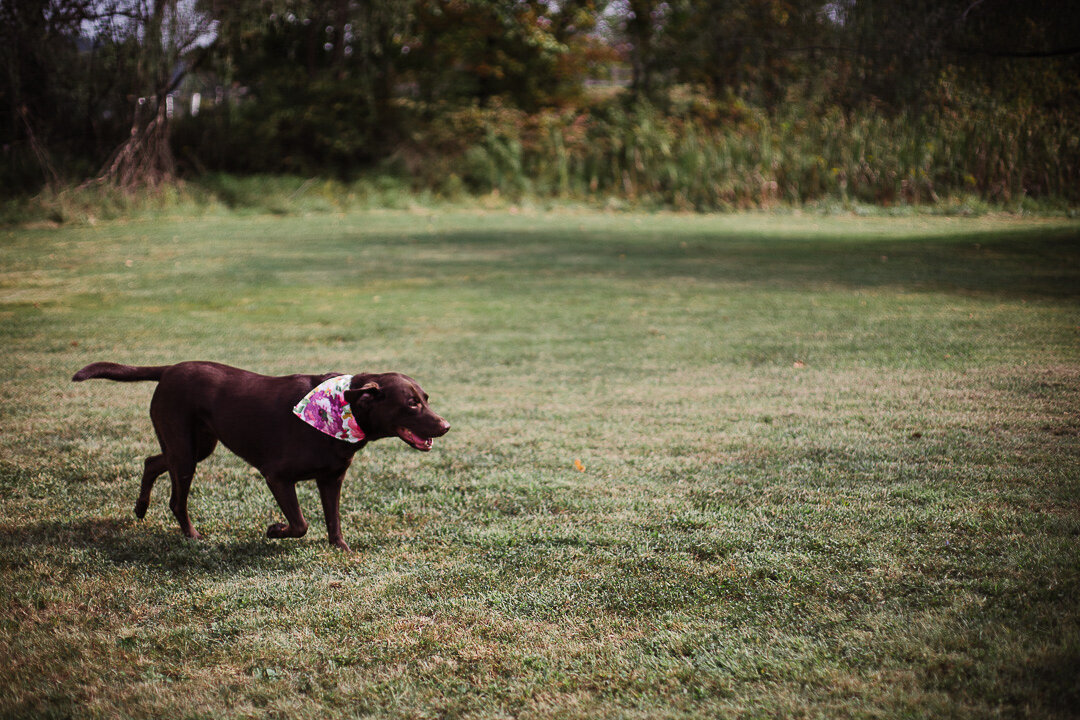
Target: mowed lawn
[{"x": 730, "y": 466}]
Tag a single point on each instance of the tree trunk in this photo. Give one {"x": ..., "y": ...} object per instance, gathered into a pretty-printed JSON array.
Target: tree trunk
[
  {"x": 641, "y": 31},
  {"x": 145, "y": 159}
]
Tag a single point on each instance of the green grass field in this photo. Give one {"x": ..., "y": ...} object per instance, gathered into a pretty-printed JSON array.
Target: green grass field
[{"x": 737, "y": 466}]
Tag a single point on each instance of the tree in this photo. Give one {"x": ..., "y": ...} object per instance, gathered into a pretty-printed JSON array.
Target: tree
[
  {"x": 320, "y": 75},
  {"x": 903, "y": 49},
  {"x": 756, "y": 49},
  {"x": 531, "y": 52},
  {"x": 166, "y": 39},
  {"x": 44, "y": 89}
]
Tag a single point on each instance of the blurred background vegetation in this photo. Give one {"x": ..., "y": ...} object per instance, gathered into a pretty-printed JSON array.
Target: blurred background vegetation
[{"x": 688, "y": 104}]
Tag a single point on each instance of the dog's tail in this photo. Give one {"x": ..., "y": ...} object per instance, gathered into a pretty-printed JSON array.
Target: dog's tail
[{"x": 121, "y": 373}]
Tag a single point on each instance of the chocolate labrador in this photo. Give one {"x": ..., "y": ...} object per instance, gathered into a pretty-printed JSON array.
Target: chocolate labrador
[{"x": 290, "y": 428}]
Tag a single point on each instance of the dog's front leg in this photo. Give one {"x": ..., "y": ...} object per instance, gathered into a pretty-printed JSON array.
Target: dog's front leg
[
  {"x": 285, "y": 493},
  {"x": 330, "y": 494}
]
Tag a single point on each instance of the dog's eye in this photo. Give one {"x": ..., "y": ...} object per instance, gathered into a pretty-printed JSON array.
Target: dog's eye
[{"x": 414, "y": 403}]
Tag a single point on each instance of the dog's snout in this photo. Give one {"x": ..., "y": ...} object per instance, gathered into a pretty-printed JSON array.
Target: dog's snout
[{"x": 444, "y": 427}]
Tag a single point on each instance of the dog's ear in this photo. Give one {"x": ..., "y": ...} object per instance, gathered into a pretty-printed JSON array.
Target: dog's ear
[{"x": 369, "y": 391}]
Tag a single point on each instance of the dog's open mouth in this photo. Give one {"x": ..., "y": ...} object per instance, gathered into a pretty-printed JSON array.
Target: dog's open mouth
[{"x": 415, "y": 440}]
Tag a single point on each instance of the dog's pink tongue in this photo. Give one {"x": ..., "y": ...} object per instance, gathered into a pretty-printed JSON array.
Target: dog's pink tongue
[{"x": 411, "y": 438}]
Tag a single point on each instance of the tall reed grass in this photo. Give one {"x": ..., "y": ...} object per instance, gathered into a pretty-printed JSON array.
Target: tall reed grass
[{"x": 734, "y": 156}]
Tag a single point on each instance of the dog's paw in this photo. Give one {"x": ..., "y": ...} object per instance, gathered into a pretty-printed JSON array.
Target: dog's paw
[
  {"x": 341, "y": 545},
  {"x": 284, "y": 530},
  {"x": 140, "y": 509},
  {"x": 277, "y": 530}
]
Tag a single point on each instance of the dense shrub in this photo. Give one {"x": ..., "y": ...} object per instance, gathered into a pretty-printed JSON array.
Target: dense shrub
[{"x": 708, "y": 155}]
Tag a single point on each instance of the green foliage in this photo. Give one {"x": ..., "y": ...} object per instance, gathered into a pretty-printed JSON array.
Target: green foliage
[
  {"x": 708, "y": 155},
  {"x": 318, "y": 78},
  {"x": 305, "y": 126},
  {"x": 903, "y": 49},
  {"x": 758, "y": 50},
  {"x": 478, "y": 49},
  {"x": 731, "y": 104}
]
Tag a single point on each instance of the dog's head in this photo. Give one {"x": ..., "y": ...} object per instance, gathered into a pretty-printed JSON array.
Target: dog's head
[{"x": 390, "y": 404}]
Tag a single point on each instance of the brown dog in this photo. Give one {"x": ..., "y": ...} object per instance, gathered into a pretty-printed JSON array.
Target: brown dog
[{"x": 291, "y": 428}]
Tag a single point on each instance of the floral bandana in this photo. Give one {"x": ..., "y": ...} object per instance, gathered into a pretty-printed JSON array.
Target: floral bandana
[{"x": 326, "y": 409}]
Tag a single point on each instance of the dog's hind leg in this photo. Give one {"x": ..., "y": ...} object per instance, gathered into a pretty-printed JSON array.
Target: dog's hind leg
[
  {"x": 155, "y": 466},
  {"x": 181, "y": 472}
]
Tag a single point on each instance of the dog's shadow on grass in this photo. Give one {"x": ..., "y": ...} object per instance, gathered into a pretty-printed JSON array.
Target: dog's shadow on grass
[{"x": 128, "y": 542}]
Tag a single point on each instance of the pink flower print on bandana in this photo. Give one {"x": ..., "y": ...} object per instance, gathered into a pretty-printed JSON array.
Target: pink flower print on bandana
[{"x": 326, "y": 409}]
